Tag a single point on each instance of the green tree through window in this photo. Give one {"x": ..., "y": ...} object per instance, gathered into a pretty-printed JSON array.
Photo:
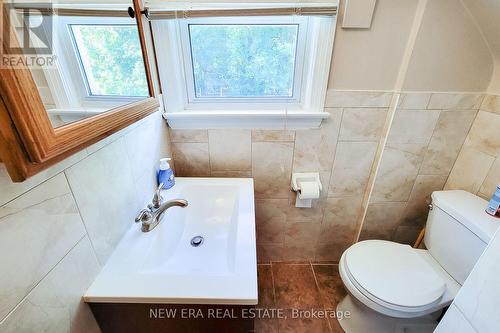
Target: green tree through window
[
  {"x": 111, "y": 58},
  {"x": 243, "y": 60}
]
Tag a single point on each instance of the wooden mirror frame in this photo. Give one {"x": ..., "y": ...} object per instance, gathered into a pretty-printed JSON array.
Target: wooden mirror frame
[{"x": 28, "y": 141}]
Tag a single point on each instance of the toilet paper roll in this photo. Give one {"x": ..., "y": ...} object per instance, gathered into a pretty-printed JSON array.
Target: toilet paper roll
[{"x": 309, "y": 190}]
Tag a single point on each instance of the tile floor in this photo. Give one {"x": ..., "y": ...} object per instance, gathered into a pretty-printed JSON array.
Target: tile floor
[{"x": 298, "y": 286}]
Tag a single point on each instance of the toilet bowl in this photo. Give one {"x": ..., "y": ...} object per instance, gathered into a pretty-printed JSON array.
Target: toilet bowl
[{"x": 394, "y": 286}]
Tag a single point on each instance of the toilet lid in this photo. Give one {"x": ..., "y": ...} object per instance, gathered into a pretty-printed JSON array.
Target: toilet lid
[{"x": 394, "y": 273}]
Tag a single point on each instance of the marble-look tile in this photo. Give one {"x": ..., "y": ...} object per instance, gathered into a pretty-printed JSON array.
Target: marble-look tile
[
  {"x": 300, "y": 241},
  {"x": 406, "y": 234},
  {"x": 295, "y": 286},
  {"x": 453, "y": 322},
  {"x": 273, "y": 135},
  {"x": 414, "y": 101},
  {"x": 35, "y": 234},
  {"x": 145, "y": 145},
  {"x": 303, "y": 325},
  {"x": 270, "y": 219},
  {"x": 478, "y": 298},
  {"x": 470, "y": 170},
  {"x": 271, "y": 168},
  {"x": 485, "y": 134},
  {"x": 185, "y": 135},
  {"x": 351, "y": 169},
  {"x": 340, "y": 219},
  {"x": 362, "y": 124},
  {"x": 11, "y": 190},
  {"x": 491, "y": 103},
  {"x": 231, "y": 174},
  {"x": 105, "y": 192},
  {"x": 310, "y": 215},
  {"x": 413, "y": 126},
  {"x": 330, "y": 285},
  {"x": 191, "y": 159},
  {"x": 459, "y": 101},
  {"x": 446, "y": 142},
  {"x": 397, "y": 172},
  {"x": 230, "y": 149},
  {"x": 315, "y": 148},
  {"x": 381, "y": 220},
  {"x": 416, "y": 211},
  {"x": 266, "y": 286},
  {"x": 370, "y": 99},
  {"x": 267, "y": 253},
  {"x": 492, "y": 179},
  {"x": 55, "y": 304}
]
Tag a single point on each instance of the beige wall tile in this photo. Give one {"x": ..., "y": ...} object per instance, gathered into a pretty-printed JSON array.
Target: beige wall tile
[
  {"x": 55, "y": 304},
  {"x": 231, "y": 174},
  {"x": 191, "y": 159},
  {"x": 35, "y": 234},
  {"x": 397, "y": 172},
  {"x": 362, "y": 124},
  {"x": 413, "y": 126},
  {"x": 271, "y": 168},
  {"x": 446, "y": 142},
  {"x": 492, "y": 179},
  {"x": 315, "y": 148},
  {"x": 270, "y": 219},
  {"x": 373, "y": 99},
  {"x": 311, "y": 215},
  {"x": 300, "y": 241},
  {"x": 491, "y": 103},
  {"x": 330, "y": 251},
  {"x": 269, "y": 252},
  {"x": 406, "y": 234},
  {"x": 418, "y": 101},
  {"x": 340, "y": 219},
  {"x": 351, "y": 168},
  {"x": 485, "y": 133},
  {"x": 470, "y": 170},
  {"x": 273, "y": 135},
  {"x": 416, "y": 211},
  {"x": 230, "y": 150},
  {"x": 106, "y": 195},
  {"x": 381, "y": 220},
  {"x": 455, "y": 101},
  {"x": 184, "y": 135}
]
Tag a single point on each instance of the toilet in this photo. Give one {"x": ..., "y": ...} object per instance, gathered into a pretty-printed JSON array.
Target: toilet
[{"x": 393, "y": 287}]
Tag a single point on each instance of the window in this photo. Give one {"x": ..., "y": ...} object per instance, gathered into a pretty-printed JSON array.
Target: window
[
  {"x": 100, "y": 63},
  {"x": 216, "y": 71},
  {"x": 110, "y": 59},
  {"x": 243, "y": 61}
]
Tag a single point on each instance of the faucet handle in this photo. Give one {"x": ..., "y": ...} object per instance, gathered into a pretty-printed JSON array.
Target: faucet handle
[
  {"x": 143, "y": 215},
  {"x": 157, "y": 199}
]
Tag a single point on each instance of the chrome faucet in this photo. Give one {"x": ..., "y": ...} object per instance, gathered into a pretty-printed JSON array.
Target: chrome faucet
[{"x": 151, "y": 217}]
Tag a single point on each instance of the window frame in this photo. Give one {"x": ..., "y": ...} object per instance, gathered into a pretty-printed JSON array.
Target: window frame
[
  {"x": 300, "y": 49},
  {"x": 71, "y": 76},
  {"x": 306, "y": 113}
]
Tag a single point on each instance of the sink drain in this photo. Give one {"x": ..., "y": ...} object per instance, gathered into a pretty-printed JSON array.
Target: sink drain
[{"x": 197, "y": 241}]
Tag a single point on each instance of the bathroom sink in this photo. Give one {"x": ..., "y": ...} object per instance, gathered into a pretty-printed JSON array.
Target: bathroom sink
[{"x": 201, "y": 254}]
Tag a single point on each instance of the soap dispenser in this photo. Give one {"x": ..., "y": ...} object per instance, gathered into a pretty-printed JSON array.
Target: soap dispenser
[{"x": 165, "y": 174}]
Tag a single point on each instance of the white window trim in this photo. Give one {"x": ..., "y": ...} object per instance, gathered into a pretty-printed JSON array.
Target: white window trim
[
  {"x": 308, "y": 113},
  {"x": 66, "y": 82}
]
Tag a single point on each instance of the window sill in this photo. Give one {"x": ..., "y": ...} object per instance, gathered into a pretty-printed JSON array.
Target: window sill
[{"x": 247, "y": 119}]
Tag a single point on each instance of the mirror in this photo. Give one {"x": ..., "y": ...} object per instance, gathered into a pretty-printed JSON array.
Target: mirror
[{"x": 85, "y": 58}]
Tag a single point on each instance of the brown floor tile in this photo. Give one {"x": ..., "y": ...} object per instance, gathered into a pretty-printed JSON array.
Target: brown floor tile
[
  {"x": 330, "y": 285},
  {"x": 266, "y": 289},
  {"x": 266, "y": 325},
  {"x": 303, "y": 325},
  {"x": 295, "y": 286},
  {"x": 335, "y": 326}
]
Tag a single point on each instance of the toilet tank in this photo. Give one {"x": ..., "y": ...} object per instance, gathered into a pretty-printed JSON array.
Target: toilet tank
[{"x": 458, "y": 230}]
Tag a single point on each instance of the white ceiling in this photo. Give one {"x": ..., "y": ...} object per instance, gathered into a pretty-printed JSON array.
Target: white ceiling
[{"x": 487, "y": 16}]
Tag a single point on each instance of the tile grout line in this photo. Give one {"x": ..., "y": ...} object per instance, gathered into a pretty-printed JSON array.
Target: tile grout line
[
  {"x": 320, "y": 294},
  {"x": 39, "y": 281}
]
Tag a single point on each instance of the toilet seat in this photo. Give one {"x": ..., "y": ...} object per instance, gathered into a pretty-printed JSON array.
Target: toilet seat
[{"x": 393, "y": 275}]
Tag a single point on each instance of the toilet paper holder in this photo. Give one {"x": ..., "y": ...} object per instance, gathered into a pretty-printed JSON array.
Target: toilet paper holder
[{"x": 297, "y": 178}]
